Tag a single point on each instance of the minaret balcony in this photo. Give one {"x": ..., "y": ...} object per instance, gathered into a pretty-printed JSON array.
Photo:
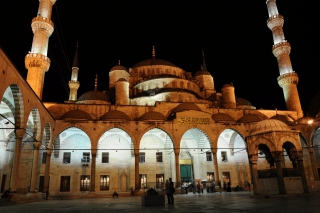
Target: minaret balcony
[
  {"x": 287, "y": 79},
  {"x": 43, "y": 24},
  {"x": 275, "y": 21},
  {"x": 37, "y": 60},
  {"x": 280, "y": 48}
]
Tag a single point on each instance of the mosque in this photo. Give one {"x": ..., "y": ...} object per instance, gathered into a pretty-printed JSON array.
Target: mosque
[{"x": 156, "y": 121}]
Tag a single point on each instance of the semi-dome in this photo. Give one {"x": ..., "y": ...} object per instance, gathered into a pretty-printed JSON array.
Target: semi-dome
[
  {"x": 116, "y": 114},
  {"x": 154, "y": 61},
  {"x": 269, "y": 125},
  {"x": 164, "y": 76},
  {"x": 76, "y": 114},
  {"x": 93, "y": 96},
  {"x": 153, "y": 116},
  {"x": 285, "y": 119},
  {"x": 202, "y": 72},
  {"x": 222, "y": 117},
  {"x": 249, "y": 118},
  {"x": 185, "y": 106}
]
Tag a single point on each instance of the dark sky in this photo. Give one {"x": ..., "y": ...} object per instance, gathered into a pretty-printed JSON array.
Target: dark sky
[{"x": 233, "y": 34}]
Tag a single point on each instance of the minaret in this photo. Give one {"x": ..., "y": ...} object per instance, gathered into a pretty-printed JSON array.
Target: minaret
[
  {"x": 74, "y": 83},
  {"x": 37, "y": 61},
  {"x": 288, "y": 79}
]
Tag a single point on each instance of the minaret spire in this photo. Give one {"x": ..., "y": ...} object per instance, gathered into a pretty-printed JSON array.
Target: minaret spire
[
  {"x": 96, "y": 82},
  {"x": 74, "y": 84},
  {"x": 153, "y": 52},
  {"x": 37, "y": 61},
  {"x": 288, "y": 79},
  {"x": 204, "y": 66}
]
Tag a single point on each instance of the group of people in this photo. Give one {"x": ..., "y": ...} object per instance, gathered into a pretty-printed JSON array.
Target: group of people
[{"x": 169, "y": 191}]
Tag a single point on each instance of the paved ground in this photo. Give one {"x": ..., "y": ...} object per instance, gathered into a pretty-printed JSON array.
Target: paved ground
[{"x": 233, "y": 202}]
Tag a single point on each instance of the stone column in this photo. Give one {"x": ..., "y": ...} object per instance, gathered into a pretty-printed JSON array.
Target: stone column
[
  {"x": 35, "y": 166},
  {"x": 178, "y": 178},
  {"x": 215, "y": 162},
  {"x": 254, "y": 174},
  {"x": 16, "y": 160},
  {"x": 93, "y": 172},
  {"x": 313, "y": 165},
  {"x": 47, "y": 172},
  {"x": 302, "y": 174},
  {"x": 281, "y": 186},
  {"x": 137, "y": 176}
]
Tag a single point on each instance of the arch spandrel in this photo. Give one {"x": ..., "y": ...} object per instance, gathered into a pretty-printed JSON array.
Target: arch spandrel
[
  {"x": 253, "y": 145},
  {"x": 294, "y": 140},
  {"x": 140, "y": 134},
  {"x": 315, "y": 132},
  {"x": 66, "y": 126},
  {"x": 19, "y": 114}
]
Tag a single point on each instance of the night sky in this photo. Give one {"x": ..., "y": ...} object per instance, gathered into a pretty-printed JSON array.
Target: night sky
[{"x": 233, "y": 35}]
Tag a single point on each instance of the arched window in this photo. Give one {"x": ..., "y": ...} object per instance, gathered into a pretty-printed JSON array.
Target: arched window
[{"x": 182, "y": 85}]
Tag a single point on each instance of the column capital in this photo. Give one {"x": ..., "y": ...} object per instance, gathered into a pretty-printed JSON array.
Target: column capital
[
  {"x": 36, "y": 145},
  {"x": 253, "y": 159},
  {"x": 19, "y": 133}
]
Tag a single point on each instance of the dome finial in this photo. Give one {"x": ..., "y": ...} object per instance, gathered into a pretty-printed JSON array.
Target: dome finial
[
  {"x": 119, "y": 62},
  {"x": 96, "y": 82},
  {"x": 153, "y": 52}
]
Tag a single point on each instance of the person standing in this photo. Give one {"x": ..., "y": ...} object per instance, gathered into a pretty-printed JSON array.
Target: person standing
[
  {"x": 219, "y": 184},
  {"x": 248, "y": 186},
  {"x": 168, "y": 191},
  {"x": 172, "y": 190}
]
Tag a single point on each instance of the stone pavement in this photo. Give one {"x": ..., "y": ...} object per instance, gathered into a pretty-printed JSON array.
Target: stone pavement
[{"x": 212, "y": 202}]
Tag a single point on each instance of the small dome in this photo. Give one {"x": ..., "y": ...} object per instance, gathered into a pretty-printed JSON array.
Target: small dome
[
  {"x": 242, "y": 101},
  {"x": 118, "y": 67},
  {"x": 222, "y": 117},
  {"x": 154, "y": 61},
  {"x": 202, "y": 72},
  {"x": 285, "y": 119},
  {"x": 249, "y": 118},
  {"x": 114, "y": 115},
  {"x": 122, "y": 79},
  {"x": 94, "y": 95},
  {"x": 269, "y": 125},
  {"x": 227, "y": 85},
  {"x": 76, "y": 114},
  {"x": 152, "y": 115}
]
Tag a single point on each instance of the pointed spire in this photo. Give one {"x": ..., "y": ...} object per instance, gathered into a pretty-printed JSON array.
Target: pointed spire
[
  {"x": 153, "y": 52},
  {"x": 204, "y": 66},
  {"x": 75, "y": 60},
  {"x": 96, "y": 83}
]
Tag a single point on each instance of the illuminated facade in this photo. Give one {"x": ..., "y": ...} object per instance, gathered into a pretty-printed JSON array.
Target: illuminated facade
[{"x": 156, "y": 121}]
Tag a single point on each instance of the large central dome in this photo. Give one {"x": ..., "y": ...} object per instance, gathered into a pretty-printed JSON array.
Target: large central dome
[{"x": 153, "y": 61}]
